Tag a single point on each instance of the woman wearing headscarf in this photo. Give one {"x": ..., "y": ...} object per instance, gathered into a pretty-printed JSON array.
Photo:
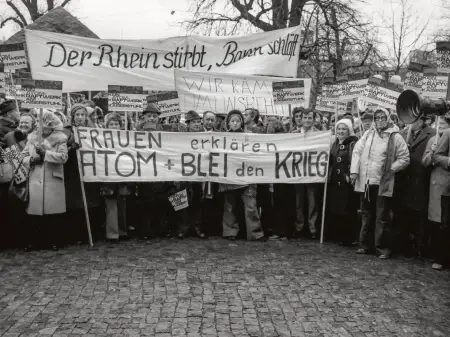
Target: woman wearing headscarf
[
  {"x": 247, "y": 193},
  {"x": 439, "y": 184},
  {"x": 342, "y": 200},
  {"x": 46, "y": 180},
  {"x": 78, "y": 117}
]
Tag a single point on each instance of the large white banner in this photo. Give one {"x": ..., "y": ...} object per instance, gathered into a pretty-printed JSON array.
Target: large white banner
[
  {"x": 221, "y": 93},
  {"x": 232, "y": 158},
  {"x": 93, "y": 64}
]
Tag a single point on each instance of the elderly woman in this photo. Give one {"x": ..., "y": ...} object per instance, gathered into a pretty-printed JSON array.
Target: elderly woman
[
  {"x": 439, "y": 184},
  {"x": 343, "y": 200},
  {"x": 46, "y": 179},
  {"x": 78, "y": 117}
]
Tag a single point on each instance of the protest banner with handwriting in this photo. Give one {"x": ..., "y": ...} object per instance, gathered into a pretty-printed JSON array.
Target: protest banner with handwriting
[
  {"x": 13, "y": 56},
  {"x": 222, "y": 93},
  {"x": 231, "y": 158},
  {"x": 41, "y": 94},
  {"x": 179, "y": 200},
  {"x": 93, "y": 64},
  {"x": 443, "y": 56},
  {"x": 126, "y": 98}
]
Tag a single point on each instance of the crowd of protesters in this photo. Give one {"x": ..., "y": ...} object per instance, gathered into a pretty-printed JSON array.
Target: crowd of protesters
[{"x": 388, "y": 185}]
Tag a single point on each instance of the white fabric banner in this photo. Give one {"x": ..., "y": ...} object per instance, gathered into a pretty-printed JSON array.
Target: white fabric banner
[
  {"x": 93, "y": 64},
  {"x": 231, "y": 158},
  {"x": 221, "y": 93}
]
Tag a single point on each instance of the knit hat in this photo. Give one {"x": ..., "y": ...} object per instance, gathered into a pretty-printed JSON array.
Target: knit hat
[
  {"x": 348, "y": 123},
  {"x": 151, "y": 107},
  {"x": 192, "y": 116},
  {"x": 7, "y": 106},
  {"x": 234, "y": 112},
  {"x": 49, "y": 120},
  {"x": 367, "y": 115}
]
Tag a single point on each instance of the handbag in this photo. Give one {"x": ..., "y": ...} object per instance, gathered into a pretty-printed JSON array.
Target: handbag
[
  {"x": 6, "y": 168},
  {"x": 20, "y": 192}
]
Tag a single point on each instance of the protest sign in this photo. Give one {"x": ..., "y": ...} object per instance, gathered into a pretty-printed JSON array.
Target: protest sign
[
  {"x": 85, "y": 63},
  {"x": 324, "y": 104},
  {"x": 167, "y": 102},
  {"x": 13, "y": 85},
  {"x": 125, "y": 98},
  {"x": 2, "y": 78},
  {"x": 332, "y": 92},
  {"x": 380, "y": 93},
  {"x": 222, "y": 93},
  {"x": 179, "y": 200},
  {"x": 414, "y": 77},
  {"x": 13, "y": 155},
  {"x": 443, "y": 57},
  {"x": 41, "y": 94},
  {"x": 352, "y": 89},
  {"x": 434, "y": 84},
  {"x": 231, "y": 158},
  {"x": 13, "y": 56},
  {"x": 290, "y": 92}
]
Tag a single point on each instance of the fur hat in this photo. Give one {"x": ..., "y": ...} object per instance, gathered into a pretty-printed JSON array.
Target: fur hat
[
  {"x": 192, "y": 116},
  {"x": 50, "y": 120},
  {"x": 348, "y": 123}
]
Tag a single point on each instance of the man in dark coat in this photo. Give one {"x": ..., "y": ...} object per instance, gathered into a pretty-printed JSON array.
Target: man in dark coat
[
  {"x": 411, "y": 191},
  {"x": 9, "y": 118}
]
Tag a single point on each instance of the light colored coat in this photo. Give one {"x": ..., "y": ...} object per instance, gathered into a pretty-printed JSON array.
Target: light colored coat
[
  {"x": 370, "y": 155},
  {"x": 46, "y": 181},
  {"x": 440, "y": 177}
]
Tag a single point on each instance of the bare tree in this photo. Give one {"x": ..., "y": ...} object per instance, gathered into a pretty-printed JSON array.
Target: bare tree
[
  {"x": 443, "y": 32},
  {"x": 27, "y": 11},
  {"x": 405, "y": 31}
]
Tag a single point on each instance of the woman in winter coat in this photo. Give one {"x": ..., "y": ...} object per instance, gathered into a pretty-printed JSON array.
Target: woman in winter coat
[
  {"x": 343, "y": 201},
  {"x": 78, "y": 117},
  {"x": 247, "y": 193},
  {"x": 46, "y": 179},
  {"x": 439, "y": 183}
]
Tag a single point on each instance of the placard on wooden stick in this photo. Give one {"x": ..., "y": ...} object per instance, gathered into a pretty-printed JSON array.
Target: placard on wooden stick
[
  {"x": 13, "y": 56},
  {"x": 288, "y": 92},
  {"x": 126, "y": 98},
  {"x": 42, "y": 94}
]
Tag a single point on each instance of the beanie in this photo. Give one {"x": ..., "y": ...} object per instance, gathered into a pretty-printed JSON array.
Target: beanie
[
  {"x": 348, "y": 123},
  {"x": 7, "y": 106}
]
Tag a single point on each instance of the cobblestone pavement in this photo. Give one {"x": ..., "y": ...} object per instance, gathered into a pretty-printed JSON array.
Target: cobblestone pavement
[{"x": 218, "y": 288}]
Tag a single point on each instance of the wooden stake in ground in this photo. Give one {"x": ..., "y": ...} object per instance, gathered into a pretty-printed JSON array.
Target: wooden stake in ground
[
  {"x": 15, "y": 94},
  {"x": 83, "y": 193}
]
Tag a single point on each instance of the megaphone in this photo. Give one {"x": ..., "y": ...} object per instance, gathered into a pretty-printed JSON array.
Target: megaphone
[{"x": 411, "y": 106}]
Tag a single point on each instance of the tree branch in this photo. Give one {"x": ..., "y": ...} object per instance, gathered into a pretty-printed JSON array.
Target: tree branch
[
  {"x": 251, "y": 18},
  {"x": 16, "y": 20},
  {"x": 17, "y": 11},
  {"x": 65, "y": 3}
]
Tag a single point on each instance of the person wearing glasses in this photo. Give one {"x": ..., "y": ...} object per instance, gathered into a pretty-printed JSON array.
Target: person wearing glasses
[{"x": 377, "y": 157}]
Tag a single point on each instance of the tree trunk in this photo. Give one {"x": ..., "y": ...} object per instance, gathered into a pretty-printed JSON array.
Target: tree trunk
[
  {"x": 280, "y": 13},
  {"x": 296, "y": 12},
  {"x": 337, "y": 66}
]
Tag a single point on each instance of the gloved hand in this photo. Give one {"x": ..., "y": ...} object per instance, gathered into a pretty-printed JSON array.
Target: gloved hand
[
  {"x": 353, "y": 178},
  {"x": 40, "y": 150},
  {"x": 441, "y": 161},
  {"x": 75, "y": 146},
  {"x": 36, "y": 160}
]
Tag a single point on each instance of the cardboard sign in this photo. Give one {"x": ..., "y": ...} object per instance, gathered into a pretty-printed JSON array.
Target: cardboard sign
[
  {"x": 167, "y": 102},
  {"x": 230, "y": 158},
  {"x": 13, "y": 56},
  {"x": 14, "y": 156},
  {"x": 179, "y": 200},
  {"x": 13, "y": 85},
  {"x": 434, "y": 84},
  {"x": 353, "y": 89},
  {"x": 443, "y": 57},
  {"x": 126, "y": 98},
  {"x": 324, "y": 104},
  {"x": 380, "y": 93},
  {"x": 41, "y": 94},
  {"x": 290, "y": 92},
  {"x": 414, "y": 78}
]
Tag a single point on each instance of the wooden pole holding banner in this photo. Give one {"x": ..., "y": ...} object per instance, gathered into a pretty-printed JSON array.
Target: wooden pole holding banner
[
  {"x": 41, "y": 123},
  {"x": 408, "y": 136},
  {"x": 324, "y": 205},
  {"x": 15, "y": 94},
  {"x": 438, "y": 120},
  {"x": 83, "y": 193}
]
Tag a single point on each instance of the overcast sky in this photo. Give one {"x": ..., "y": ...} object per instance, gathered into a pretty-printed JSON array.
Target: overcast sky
[{"x": 139, "y": 19}]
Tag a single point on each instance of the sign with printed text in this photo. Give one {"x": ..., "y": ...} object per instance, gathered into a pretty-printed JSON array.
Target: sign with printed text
[
  {"x": 290, "y": 92},
  {"x": 230, "y": 158},
  {"x": 179, "y": 200},
  {"x": 413, "y": 80},
  {"x": 381, "y": 94},
  {"x": 443, "y": 57},
  {"x": 434, "y": 84},
  {"x": 324, "y": 104},
  {"x": 2, "y": 78},
  {"x": 41, "y": 94},
  {"x": 222, "y": 93},
  {"x": 13, "y": 85},
  {"x": 167, "y": 102},
  {"x": 13, "y": 56},
  {"x": 13, "y": 155},
  {"x": 332, "y": 92},
  {"x": 125, "y": 98},
  {"x": 92, "y": 64},
  {"x": 353, "y": 89}
]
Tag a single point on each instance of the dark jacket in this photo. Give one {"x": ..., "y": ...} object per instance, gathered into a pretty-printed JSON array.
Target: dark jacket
[
  {"x": 411, "y": 189},
  {"x": 6, "y": 126},
  {"x": 15, "y": 138},
  {"x": 341, "y": 194}
]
